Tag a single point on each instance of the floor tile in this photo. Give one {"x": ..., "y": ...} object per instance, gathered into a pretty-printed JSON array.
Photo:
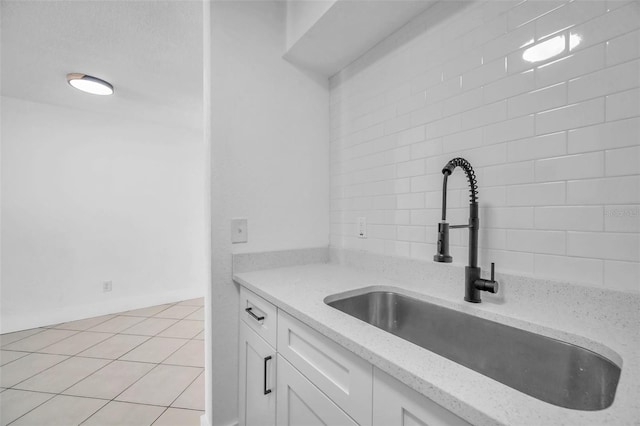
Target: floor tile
[
  {"x": 125, "y": 414},
  {"x": 76, "y": 343},
  {"x": 110, "y": 381},
  {"x": 161, "y": 386},
  {"x": 192, "y": 397},
  {"x": 155, "y": 350},
  {"x": 200, "y": 335},
  {"x": 177, "y": 312},
  {"x": 116, "y": 324},
  {"x": 192, "y": 302},
  {"x": 59, "y": 377},
  {"x": 147, "y": 312},
  {"x": 7, "y": 338},
  {"x": 15, "y": 403},
  {"x": 114, "y": 347},
  {"x": 179, "y": 416},
  {"x": 191, "y": 355},
  {"x": 39, "y": 341},
  {"x": 150, "y": 326},
  {"x": 83, "y": 324},
  {"x": 197, "y": 315},
  {"x": 8, "y": 356},
  {"x": 61, "y": 410},
  {"x": 19, "y": 370},
  {"x": 184, "y": 329}
]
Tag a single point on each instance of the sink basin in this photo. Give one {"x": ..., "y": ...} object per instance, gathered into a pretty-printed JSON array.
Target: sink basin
[{"x": 550, "y": 370}]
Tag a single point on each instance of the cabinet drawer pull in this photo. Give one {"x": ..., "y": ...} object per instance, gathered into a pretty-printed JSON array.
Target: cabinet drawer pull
[
  {"x": 266, "y": 391},
  {"x": 250, "y": 312}
]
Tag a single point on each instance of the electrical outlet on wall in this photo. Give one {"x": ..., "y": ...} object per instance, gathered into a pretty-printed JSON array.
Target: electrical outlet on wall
[
  {"x": 362, "y": 227},
  {"x": 107, "y": 286},
  {"x": 239, "y": 231}
]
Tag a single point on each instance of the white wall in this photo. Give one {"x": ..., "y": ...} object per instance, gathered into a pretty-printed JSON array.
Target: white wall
[
  {"x": 555, "y": 145},
  {"x": 270, "y": 164},
  {"x": 88, "y": 198},
  {"x": 302, "y": 15}
]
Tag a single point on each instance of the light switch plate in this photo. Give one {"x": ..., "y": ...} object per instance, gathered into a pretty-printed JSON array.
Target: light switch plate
[{"x": 239, "y": 232}]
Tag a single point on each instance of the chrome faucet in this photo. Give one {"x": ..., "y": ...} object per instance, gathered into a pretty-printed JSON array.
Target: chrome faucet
[{"x": 474, "y": 284}]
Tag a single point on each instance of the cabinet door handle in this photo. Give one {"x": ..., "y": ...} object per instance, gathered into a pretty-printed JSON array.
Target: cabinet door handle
[
  {"x": 266, "y": 391},
  {"x": 255, "y": 317}
]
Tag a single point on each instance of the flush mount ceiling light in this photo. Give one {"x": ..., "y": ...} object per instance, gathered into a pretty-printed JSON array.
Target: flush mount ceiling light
[{"x": 89, "y": 84}]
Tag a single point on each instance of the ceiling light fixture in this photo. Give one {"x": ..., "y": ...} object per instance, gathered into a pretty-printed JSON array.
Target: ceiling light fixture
[{"x": 89, "y": 84}]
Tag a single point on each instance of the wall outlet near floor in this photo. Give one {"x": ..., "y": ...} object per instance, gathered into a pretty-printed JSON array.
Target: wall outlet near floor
[
  {"x": 362, "y": 227},
  {"x": 107, "y": 286},
  {"x": 239, "y": 231}
]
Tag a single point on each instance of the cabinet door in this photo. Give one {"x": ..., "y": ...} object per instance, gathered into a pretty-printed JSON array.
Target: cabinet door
[
  {"x": 301, "y": 403},
  {"x": 396, "y": 404},
  {"x": 257, "y": 399}
]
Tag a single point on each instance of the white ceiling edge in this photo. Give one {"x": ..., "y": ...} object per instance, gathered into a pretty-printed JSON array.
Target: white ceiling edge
[{"x": 349, "y": 29}]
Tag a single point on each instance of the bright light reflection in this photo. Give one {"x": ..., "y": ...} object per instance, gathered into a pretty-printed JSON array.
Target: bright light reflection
[
  {"x": 545, "y": 50},
  {"x": 574, "y": 40}
]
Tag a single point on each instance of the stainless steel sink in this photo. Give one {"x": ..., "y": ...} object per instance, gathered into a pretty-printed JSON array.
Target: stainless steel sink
[{"x": 550, "y": 370}]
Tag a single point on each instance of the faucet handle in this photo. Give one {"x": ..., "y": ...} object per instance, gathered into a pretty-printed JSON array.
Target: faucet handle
[{"x": 493, "y": 271}]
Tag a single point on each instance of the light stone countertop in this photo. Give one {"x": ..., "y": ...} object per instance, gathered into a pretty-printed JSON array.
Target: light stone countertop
[{"x": 605, "y": 322}]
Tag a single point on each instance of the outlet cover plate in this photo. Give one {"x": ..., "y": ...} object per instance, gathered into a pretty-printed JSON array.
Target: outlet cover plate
[{"x": 239, "y": 230}]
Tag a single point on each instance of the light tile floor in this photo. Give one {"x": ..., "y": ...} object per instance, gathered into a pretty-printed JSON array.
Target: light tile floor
[{"x": 138, "y": 368}]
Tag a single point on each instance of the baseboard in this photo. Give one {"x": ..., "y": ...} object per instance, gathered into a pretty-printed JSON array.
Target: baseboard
[
  {"x": 203, "y": 421},
  {"x": 28, "y": 320}
]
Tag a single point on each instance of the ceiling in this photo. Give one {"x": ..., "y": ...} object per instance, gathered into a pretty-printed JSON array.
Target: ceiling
[{"x": 151, "y": 51}]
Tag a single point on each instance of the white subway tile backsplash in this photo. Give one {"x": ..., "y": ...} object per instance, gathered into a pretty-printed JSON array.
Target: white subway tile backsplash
[
  {"x": 533, "y": 241},
  {"x": 512, "y": 173},
  {"x": 575, "y": 166},
  {"x": 527, "y": 11},
  {"x": 412, "y": 233},
  {"x": 568, "y": 16},
  {"x": 464, "y": 140},
  {"x": 604, "y": 136},
  {"x": 609, "y": 25},
  {"x": 574, "y": 218},
  {"x": 609, "y": 80},
  {"x": 623, "y": 48},
  {"x": 604, "y": 245},
  {"x": 491, "y": 113},
  {"x": 411, "y": 201},
  {"x": 623, "y": 105},
  {"x": 611, "y": 190},
  {"x": 624, "y": 161},
  {"x": 554, "y": 145},
  {"x": 622, "y": 218},
  {"x": 537, "y": 194},
  {"x": 538, "y": 100},
  {"x": 564, "y": 268},
  {"x": 509, "y": 86},
  {"x": 622, "y": 276},
  {"x": 509, "y": 130},
  {"x": 574, "y": 65},
  {"x": 411, "y": 168},
  {"x": 570, "y": 116},
  {"x": 551, "y": 145}
]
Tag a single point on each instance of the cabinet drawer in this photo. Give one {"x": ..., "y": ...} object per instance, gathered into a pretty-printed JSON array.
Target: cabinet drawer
[
  {"x": 301, "y": 403},
  {"x": 395, "y": 404},
  {"x": 260, "y": 315},
  {"x": 343, "y": 376}
]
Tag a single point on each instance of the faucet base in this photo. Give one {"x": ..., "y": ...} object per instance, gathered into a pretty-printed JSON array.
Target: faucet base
[{"x": 471, "y": 293}]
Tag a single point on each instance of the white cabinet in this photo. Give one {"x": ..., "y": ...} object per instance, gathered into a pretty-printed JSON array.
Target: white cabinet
[
  {"x": 292, "y": 375},
  {"x": 257, "y": 398},
  {"x": 301, "y": 403},
  {"x": 397, "y": 404}
]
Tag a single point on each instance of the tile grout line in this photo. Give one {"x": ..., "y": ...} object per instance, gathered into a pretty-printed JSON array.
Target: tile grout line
[{"x": 111, "y": 361}]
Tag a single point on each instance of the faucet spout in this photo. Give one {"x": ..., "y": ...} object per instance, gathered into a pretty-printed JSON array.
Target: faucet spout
[{"x": 474, "y": 284}]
